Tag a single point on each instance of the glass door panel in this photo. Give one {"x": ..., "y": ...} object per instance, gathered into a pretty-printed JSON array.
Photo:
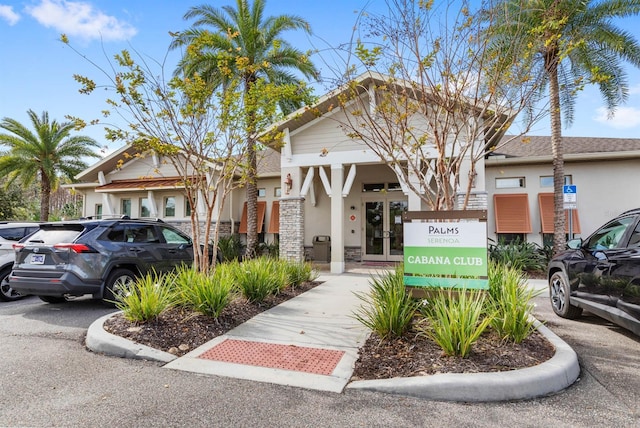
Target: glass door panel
[
  {"x": 374, "y": 228},
  {"x": 383, "y": 229}
]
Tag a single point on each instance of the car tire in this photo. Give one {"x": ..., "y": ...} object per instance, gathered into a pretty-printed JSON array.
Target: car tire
[
  {"x": 7, "y": 294},
  {"x": 53, "y": 299},
  {"x": 559, "y": 291},
  {"x": 117, "y": 280}
]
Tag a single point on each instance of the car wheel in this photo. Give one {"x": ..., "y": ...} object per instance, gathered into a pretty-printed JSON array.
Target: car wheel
[
  {"x": 53, "y": 299},
  {"x": 7, "y": 294},
  {"x": 559, "y": 291},
  {"x": 118, "y": 282}
]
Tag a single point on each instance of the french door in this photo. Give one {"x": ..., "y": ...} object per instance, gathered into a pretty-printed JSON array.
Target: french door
[{"x": 383, "y": 234}]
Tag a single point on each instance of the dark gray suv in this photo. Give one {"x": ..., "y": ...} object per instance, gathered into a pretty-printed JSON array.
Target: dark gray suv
[{"x": 96, "y": 257}]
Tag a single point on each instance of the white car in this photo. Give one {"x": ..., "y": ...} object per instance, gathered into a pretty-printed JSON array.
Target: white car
[{"x": 10, "y": 233}]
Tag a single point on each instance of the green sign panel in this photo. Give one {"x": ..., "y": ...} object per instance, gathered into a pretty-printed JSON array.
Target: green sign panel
[{"x": 446, "y": 254}]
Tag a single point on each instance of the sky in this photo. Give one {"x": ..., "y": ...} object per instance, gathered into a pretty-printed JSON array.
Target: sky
[{"x": 37, "y": 69}]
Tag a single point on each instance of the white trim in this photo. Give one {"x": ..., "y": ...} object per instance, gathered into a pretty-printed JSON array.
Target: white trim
[
  {"x": 307, "y": 182},
  {"x": 349, "y": 182},
  {"x": 325, "y": 180},
  {"x": 364, "y": 156},
  {"x": 286, "y": 149}
]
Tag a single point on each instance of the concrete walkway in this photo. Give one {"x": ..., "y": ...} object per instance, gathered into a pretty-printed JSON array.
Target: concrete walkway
[
  {"x": 312, "y": 341},
  {"x": 318, "y": 319}
]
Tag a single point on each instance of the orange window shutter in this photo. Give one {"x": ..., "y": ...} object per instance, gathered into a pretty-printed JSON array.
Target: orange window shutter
[
  {"x": 274, "y": 222},
  {"x": 512, "y": 213},
  {"x": 243, "y": 220},
  {"x": 262, "y": 207},
  {"x": 545, "y": 204},
  {"x": 545, "y": 201}
]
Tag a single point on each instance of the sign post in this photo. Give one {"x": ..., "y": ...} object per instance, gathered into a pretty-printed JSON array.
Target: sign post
[{"x": 570, "y": 202}]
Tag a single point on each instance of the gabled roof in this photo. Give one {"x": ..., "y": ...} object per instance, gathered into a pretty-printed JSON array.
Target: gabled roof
[
  {"x": 329, "y": 101},
  {"x": 108, "y": 163}
]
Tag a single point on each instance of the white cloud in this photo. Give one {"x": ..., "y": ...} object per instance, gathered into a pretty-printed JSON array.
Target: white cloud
[
  {"x": 624, "y": 118},
  {"x": 7, "y": 13},
  {"x": 77, "y": 18}
]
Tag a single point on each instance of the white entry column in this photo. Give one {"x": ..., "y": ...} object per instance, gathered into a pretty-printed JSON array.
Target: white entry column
[{"x": 337, "y": 219}]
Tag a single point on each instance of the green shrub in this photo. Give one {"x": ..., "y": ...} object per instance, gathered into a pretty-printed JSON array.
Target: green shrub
[
  {"x": 388, "y": 309},
  {"x": 455, "y": 321},
  {"x": 259, "y": 278},
  {"x": 229, "y": 247},
  {"x": 269, "y": 249},
  {"x": 522, "y": 255},
  {"x": 207, "y": 293},
  {"x": 510, "y": 301},
  {"x": 146, "y": 298},
  {"x": 299, "y": 272}
]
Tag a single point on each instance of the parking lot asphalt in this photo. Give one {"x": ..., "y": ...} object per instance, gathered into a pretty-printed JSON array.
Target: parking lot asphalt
[{"x": 49, "y": 379}]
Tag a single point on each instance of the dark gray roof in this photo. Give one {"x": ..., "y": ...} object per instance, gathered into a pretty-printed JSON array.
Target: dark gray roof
[
  {"x": 268, "y": 162},
  {"x": 528, "y": 146}
]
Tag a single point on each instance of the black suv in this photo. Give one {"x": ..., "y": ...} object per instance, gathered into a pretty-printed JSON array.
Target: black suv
[
  {"x": 601, "y": 274},
  {"x": 96, "y": 257}
]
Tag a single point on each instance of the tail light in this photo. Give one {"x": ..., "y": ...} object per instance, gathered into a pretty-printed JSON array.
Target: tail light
[
  {"x": 76, "y": 248},
  {"x": 18, "y": 247}
]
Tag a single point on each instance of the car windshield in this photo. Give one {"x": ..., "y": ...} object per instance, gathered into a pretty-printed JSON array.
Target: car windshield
[{"x": 51, "y": 236}]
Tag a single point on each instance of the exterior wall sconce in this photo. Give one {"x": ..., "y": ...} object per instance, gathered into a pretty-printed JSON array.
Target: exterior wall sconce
[{"x": 288, "y": 183}]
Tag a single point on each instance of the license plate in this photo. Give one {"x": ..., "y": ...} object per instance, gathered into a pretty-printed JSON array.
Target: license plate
[{"x": 37, "y": 259}]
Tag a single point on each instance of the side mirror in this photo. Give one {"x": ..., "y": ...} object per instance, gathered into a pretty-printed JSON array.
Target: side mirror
[{"x": 575, "y": 244}]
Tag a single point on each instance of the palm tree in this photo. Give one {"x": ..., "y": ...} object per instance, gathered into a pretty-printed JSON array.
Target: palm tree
[
  {"x": 251, "y": 48},
  {"x": 571, "y": 43},
  {"x": 42, "y": 155}
]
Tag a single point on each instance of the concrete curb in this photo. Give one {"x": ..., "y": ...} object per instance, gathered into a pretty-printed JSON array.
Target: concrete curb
[
  {"x": 547, "y": 378},
  {"x": 100, "y": 341}
]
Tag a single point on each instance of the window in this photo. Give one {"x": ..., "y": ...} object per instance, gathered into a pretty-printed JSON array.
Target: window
[
  {"x": 512, "y": 213},
  {"x": 635, "y": 237},
  {"x": 145, "y": 207},
  {"x": 98, "y": 211},
  {"x": 173, "y": 237},
  {"x": 13, "y": 234},
  {"x": 510, "y": 183},
  {"x": 126, "y": 207},
  {"x": 170, "y": 206},
  {"x": 610, "y": 235},
  {"x": 262, "y": 192},
  {"x": 547, "y": 180},
  {"x": 277, "y": 192},
  {"x": 141, "y": 233},
  {"x": 187, "y": 207},
  {"x": 373, "y": 187},
  {"x": 381, "y": 187}
]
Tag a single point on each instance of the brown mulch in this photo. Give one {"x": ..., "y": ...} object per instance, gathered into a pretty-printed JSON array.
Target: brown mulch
[{"x": 179, "y": 331}]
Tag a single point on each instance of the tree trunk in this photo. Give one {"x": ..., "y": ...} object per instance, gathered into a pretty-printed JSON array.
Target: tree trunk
[
  {"x": 252, "y": 178},
  {"x": 252, "y": 203},
  {"x": 45, "y": 196},
  {"x": 557, "y": 150}
]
